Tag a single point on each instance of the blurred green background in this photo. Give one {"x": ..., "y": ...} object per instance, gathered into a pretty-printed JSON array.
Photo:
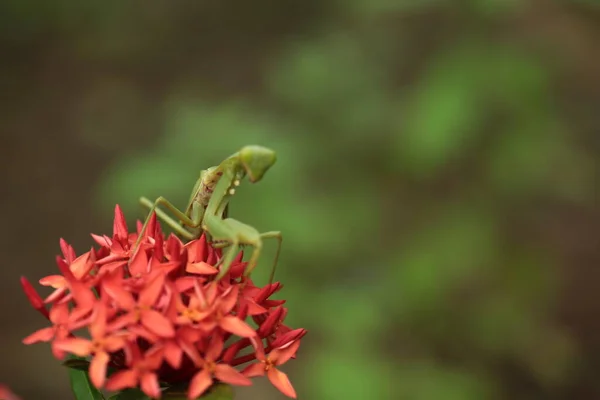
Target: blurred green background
[{"x": 436, "y": 182}]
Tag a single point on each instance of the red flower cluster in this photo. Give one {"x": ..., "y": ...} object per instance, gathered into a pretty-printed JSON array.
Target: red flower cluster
[
  {"x": 158, "y": 315},
  {"x": 7, "y": 394}
]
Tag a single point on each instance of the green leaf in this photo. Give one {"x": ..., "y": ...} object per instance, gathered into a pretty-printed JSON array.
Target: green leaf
[
  {"x": 424, "y": 380},
  {"x": 357, "y": 315},
  {"x": 173, "y": 166},
  {"x": 443, "y": 114},
  {"x": 334, "y": 80},
  {"x": 219, "y": 391},
  {"x": 81, "y": 385},
  {"x": 365, "y": 9},
  {"x": 458, "y": 245},
  {"x": 76, "y": 363},
  {"x": 364, "y": 376},
  {"x": 130, "y": 394}
]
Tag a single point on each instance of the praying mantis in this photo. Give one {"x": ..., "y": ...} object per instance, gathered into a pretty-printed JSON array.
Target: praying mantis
[{"x": 207, "y": 208}]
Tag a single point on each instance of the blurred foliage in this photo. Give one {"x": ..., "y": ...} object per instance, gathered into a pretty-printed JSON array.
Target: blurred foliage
[
  {"x": 357, "y": 151},
  {"x": 415, "y": 142}
]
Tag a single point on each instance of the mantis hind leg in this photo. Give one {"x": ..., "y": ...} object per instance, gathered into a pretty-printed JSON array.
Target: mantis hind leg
[
  {"x": 257, "y": 250},
  {"x": 165, "y": 218},
  {"x": 275, "y": 235},
  {"x": 161, "y": 214}
]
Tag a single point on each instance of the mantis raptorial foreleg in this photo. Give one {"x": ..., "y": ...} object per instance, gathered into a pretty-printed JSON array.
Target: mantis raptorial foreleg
[
  {"x": 236, "y": 233},
  {"x": 254, "y": 258}
]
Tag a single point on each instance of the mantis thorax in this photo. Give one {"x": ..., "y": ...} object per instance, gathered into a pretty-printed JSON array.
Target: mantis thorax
[{"x": 208, "y": 180}]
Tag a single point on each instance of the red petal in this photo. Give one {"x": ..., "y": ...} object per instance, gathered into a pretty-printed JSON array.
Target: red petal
[
  {"x": 211, "y": 292},
  {"x": 151, "y": 227},
  {"x": 227, "y": 373},
  {"x": 256, "y": 369},
  {"x": 57, "y": 295},
  {"x": 164, "y": 267},
  {"x": 207, "y": 325},
  {"x": 79, "y": 317},
  {"x": 259, "y": 349},
  {"x": 289, "y": 337},
  {"x": 150, "y": 294},
  {"x": 239, "y": 257},
  {"x": 59, "y": 313},
  {"x": 98, "y": 326},
  {"x": 67, "y": 250},
  {"x": 190, "y": 334},
  {"x": 55, "y": 281},
  {"x": 117, "y": 292},
  {"x": 212, "y": 256},
  {"x": 97, "y": 369},
  {"x": 267, "y": 291},
  {"x": 268, "y": 326},
  {"x": 232, "y": 350},
  {"x": 255, "y": 309},
  {"x": 281, "y": 382},
  {"x": 121, "y": 380},
  {"x": 149, "y": 385},
  {"x": 119, "y": 224},
  {"x": 138, "y": 264},
  {"x": 34, "y": 298},
  {"x": 159, "y": 248},
  {"x": 42, "y": 335},
  {"x": 191, "y": 352},
  {"x": 57, "y": 353},
  {"x": 154, "y": 357},
  {"x": 173, "y": 247},
  {"x": 185, "y": 283},
  {"x": 81, "y": 266},
  {"x": 242, "y": 311},
  {"x": 197, "y": 250},
  {"x": 114, "y": 343},
  {"x": 140, "y": 331},
  {"x": 201, "y": 268},
  {"x": 84, "y": 297},
  {"x": 215, "y": 347},
  {"x": 273, "y": 303},
  {"x": 101, "y": 240},
  {"x": 200, "y": 382},
  {"x": 236, "y": 326},
  {"x": 282, "y": 355},
  {"x": 79, "y": 347},
  {"x": 173, "y": 354},
  {"x": 116, "y": 255},
  {"x": 7, "y": 394},
  {"x": 110, "y": 266},
  {"x": 157, "y": 323},
  {"x": 230, "y": 299}
]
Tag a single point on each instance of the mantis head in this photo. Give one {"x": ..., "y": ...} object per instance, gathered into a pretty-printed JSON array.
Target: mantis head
[{"x": 256, "y": 160}]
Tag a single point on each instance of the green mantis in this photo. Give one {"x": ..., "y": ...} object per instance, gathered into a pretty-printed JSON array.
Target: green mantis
[{"x": 207, "y": 208}]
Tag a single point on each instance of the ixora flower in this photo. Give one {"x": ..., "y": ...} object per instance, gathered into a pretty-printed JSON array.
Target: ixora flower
[
  {"x": 153, "y": 317},
  {"x": 7, "y": 394}
]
